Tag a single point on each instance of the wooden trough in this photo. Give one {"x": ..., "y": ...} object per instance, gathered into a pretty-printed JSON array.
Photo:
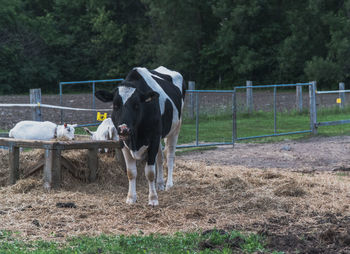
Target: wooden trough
[{"x": 53, "y": 160}]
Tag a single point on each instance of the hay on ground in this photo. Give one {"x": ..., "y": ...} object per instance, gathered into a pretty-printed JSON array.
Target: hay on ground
[{"x": 203, "y": 197}]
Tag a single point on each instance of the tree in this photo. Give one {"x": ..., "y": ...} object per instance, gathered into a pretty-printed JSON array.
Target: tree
[{"x": 180, "y": 31}]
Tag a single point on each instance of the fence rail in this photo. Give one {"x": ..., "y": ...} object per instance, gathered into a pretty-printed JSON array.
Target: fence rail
[
  {"x": 53, "y": 107},
  {"x": 93, "y": 83},
  {"x": 196, "y": 109}
]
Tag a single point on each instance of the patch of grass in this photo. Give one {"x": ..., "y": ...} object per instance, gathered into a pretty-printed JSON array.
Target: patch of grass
[
  {"x": 342, "y": 174},
  {"x": 81, "y": 131},
  {"x": 218, "y": 128},
  {"x": 213, "y": 241}
]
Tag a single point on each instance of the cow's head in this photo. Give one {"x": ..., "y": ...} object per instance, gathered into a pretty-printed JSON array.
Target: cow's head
[{"x": 129, "y": 105}]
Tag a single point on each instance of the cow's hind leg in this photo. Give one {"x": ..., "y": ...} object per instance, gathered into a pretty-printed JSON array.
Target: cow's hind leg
[
  {"x": 170, "y": 143},
  {"x": 160, "y": 174},
  {"x": 132, "y": 173}
]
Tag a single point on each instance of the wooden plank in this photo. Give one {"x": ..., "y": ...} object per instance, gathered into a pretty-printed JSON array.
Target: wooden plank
[
  {"x": 37, "y": 167},
  {"x": 70, "y": 145},
  {"x": 249, "y": 96},
  {"x": 120, "y": 158},
  {"x": 13, "y": 164},
  {"x": 93, "y": 164},
  {"x": 25, "y": 143},
  {"x": 52, "y": 169},
  {"x": 53, "y": 159},
  {"x": 61, "y": 145},
  {"x": 79, "y": 174}
]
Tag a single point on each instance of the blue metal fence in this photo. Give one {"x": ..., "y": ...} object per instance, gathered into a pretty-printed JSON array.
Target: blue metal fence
[
  {"x": 88, "y": 82},
  {"x": 274, "y": 110},
  {"x": 196, "y": 92},
  {"x": 234, "y": 114}
]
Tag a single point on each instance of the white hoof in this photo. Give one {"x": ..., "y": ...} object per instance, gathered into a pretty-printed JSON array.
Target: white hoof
[
  {"x": 160, "y": 186},
  {"x": 153, "y": 202},
  {"x": 169, "y": 186},
  {"x": 131, "y": 200}
]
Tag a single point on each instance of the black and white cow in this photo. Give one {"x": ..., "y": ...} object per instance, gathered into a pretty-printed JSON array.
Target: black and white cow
[{"x": 147, "y": 107}]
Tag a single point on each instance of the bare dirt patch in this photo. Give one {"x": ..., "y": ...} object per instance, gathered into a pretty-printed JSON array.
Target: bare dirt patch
[{"x": 289, "y": 195}]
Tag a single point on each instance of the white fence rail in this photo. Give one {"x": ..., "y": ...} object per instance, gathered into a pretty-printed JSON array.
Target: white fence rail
[{"x": 53, "y": 106}]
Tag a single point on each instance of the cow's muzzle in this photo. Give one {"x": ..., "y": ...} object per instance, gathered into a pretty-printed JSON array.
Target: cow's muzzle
[{"x": 123, "y": 132}]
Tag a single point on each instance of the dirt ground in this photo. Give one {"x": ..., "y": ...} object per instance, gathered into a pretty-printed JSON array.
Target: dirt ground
[{"x": 295, "y": 193}]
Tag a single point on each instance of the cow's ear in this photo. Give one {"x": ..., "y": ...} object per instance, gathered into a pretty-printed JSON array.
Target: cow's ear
[
  {"x": 150, "y": 96},
  {"x": 104, "y": 96}
]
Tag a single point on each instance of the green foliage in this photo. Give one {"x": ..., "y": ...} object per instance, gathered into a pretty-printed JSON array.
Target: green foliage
[
  {"x": 218, "y": 44},
  {"x": 210, "y": 242}
]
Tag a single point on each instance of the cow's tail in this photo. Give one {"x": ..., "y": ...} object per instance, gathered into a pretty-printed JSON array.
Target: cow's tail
[{"x": 11, "y": 133}]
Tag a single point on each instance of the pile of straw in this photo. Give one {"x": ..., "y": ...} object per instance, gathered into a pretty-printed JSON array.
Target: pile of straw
[{"x": 203, "y": 197}]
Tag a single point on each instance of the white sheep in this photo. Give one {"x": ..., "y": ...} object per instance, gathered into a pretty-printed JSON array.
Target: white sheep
[
  {"x": 42, "y": 130},
  {"x": 105, "y": 131}
]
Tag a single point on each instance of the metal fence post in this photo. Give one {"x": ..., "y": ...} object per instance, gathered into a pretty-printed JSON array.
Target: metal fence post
[
  {"x": 197, "y": 120},
  {"x": 35, "y": 98},
  {"x": 234, "y": 118},
  {"x": 313, "y": 110},
  {"x": 274, "y": 109},
  {"x": 191, "y": 86},
  {"x": 299, "y": 98},
  {"x": 249, "y": 96},
  {"x": 342, "y": 95},
  {"x": 61, "y": 102},
  {"x": 93, "y": 101}
]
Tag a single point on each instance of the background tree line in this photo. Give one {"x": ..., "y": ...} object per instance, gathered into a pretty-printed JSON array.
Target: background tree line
[{"x": 218, "y": 44}]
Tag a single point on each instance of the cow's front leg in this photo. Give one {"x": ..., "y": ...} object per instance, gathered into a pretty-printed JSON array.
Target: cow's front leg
[
  {"x": 132, "y": 173},
  {"x": 150, "y": 175}
]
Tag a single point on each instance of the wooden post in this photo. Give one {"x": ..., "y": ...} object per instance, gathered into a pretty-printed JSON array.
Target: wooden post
[
  {"x": 191, "y": 86},
  {"x": 342, "y": 95},
  {"x": 299, "y": 98},
  {"x": 120, "y": 158},
  {"x": 52, "y": 169},
  {"x": 93, "y": 164},
  {"x": 13, "y": 164},
  {"x": 249, "y": 97},
  {"x": 313, "y": 112},
  {"x": 35, "y": 98}
]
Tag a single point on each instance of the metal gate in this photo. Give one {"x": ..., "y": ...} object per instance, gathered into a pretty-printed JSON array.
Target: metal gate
[
  {"x": 275, "y": 133},
  {"x": 340, "y": 100},
  {"x": 193, "y": 94}
]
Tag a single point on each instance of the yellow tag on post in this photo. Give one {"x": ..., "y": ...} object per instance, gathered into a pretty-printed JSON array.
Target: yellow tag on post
[
  {"x": 338, "y": 100},
  {"x": 101, "y": 117}
]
